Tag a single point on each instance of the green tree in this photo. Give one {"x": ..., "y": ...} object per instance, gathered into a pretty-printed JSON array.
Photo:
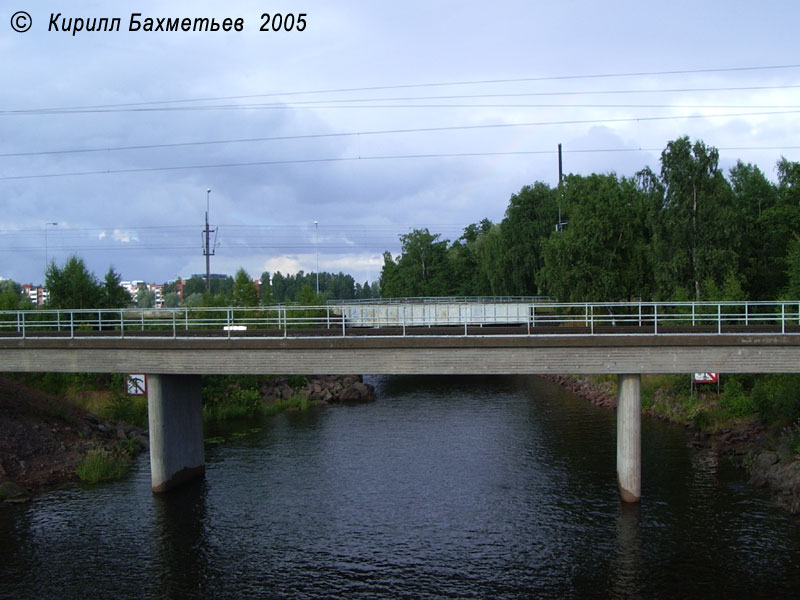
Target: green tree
[
  {"x": 766, "y": 229},
  {"x": 172, "y": 300},
  {"x": 73, "y": 286},
  {"x": 114, "y": 295},
  {"x": 603, "y": 253},
  {"x": 420, "y": 270},
  {"x": 145, "y": 298},
  {"x": 308, "y": 297},
  {"x": 529, "y": 220},
  {"x": 245, "y": 292},
  {"x": 11, "y": 296},
  {"x": 699, "y": 234}
]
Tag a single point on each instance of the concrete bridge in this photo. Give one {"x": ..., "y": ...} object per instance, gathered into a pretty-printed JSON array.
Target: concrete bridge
[{"x": 175, "y": 347}]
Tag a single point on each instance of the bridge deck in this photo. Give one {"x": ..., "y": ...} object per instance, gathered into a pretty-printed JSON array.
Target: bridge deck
[{"x": 424, "y": 354}]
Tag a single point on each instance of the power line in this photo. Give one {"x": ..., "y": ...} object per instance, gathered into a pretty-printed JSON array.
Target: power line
[
  {"x": 341, "y": 102},
  {"x": 400, "y": 156},
  {"x": 792, "y": 108},
  {"x": 430, "y": 85}
]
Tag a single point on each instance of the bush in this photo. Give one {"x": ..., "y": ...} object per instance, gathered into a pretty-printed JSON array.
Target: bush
[
  {"x": 131, "y": 409},
  {"x": 735, "y": 401},
  {"x": 775, "y": 397}
]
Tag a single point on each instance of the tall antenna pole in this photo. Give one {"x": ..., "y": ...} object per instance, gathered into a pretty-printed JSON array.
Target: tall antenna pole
[
  {"x": 560, "y": 170},
  {"x": 207, "y": 249},
  {"x": 560, "y": 177}
]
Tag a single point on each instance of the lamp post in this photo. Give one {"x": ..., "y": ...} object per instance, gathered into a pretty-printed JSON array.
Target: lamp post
[
  {"x": 54, "y": 223},
  {"x": 316, "y": 245}
]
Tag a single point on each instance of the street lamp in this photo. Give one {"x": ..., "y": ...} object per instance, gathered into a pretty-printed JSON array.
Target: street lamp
[
  {"x": 45, "y": 244},
  {"x": 316, "y": 245}
]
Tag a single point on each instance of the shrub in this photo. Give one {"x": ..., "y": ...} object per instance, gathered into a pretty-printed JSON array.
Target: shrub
[
  {"x": 775, "y": 397},
  {"x": 735, "y": 401},
  {"x": 131, "y": 409}
]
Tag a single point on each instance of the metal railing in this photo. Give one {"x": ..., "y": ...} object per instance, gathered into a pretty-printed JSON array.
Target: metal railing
[{"x": 394, "y": 319}]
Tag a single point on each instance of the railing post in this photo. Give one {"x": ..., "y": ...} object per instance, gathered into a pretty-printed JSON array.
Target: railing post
[
  {"x": 693, "y": 314},
  {"x": 121, "y": 323},
  {"x": 640, "y": 314},
  {"x": 344, "y": 333},
  {"x": 285, "y": 325},
  {"x": 783, "y": 318},
  {"x": 586, "y": 315},
  {"x": 228, "y": 321},
  {"x": 328, "y": 316},
  {"x": 655, "y": 318},
  {"x": 404, "y": 320},
  {"x": 719, "y": 318},
  {"x": 174, "y": 325},
  {"x": 22, "y": 314},
  {"x": 186, "y": 318},
  {"x": 71, "y": 324},
  {"x": 142, "y": 318},
  {"x": 591, "y": 321}
]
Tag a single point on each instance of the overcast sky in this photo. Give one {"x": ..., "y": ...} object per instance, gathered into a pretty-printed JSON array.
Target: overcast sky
[{"x": 338, "y": 93}]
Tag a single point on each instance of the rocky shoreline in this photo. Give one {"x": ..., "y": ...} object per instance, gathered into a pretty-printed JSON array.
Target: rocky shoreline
[
  {"x": 43, "y": 437},
  {"x": 746, "y": 444},
  {"x": 328, "y": 389}
]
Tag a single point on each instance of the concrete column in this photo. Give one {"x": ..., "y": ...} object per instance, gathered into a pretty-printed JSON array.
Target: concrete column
[
  {"x": 175, "y": 413},
  {"x": 629, "y": 437}
]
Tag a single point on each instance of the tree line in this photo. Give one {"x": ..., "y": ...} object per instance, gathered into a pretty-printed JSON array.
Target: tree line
[
  {"x": 688, "y": 232},
  {"x": 72, "y": 285}
]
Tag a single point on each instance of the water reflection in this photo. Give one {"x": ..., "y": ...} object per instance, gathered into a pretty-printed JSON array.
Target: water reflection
[
  {"x": 181, "y": 540},
  {"x": 627, "y": 563}
]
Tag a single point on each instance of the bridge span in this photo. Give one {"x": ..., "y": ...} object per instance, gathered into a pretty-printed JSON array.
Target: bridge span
[{"x": 175, "y": 347}]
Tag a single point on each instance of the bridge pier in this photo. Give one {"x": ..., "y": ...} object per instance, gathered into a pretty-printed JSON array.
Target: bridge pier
[
  {"x": 175, "y": 413},
  {"x": 629, "y": 437}
]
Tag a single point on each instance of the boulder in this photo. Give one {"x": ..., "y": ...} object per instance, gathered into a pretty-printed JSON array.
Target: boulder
[{"x": 11, "y": 492}]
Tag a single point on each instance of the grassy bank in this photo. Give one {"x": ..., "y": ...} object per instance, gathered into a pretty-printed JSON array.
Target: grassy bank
[{"x": 770, "y": 400}]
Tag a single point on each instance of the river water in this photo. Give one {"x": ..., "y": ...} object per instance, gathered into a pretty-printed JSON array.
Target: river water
[{"x": 477, "y": 487}]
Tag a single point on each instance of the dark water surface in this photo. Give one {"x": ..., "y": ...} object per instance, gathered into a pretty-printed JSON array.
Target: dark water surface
[{"x": 444, "y": 488}]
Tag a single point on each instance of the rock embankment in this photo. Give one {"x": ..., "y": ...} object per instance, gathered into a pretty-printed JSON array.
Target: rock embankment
[
  {"x": 781, "y": 476},
  {"x": 43, "y": 437},
  {"x": 599, "y": 394},
  {"x": 330, "y": 389}
]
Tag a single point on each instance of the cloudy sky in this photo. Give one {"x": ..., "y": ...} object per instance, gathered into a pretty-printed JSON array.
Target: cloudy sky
[{"x": 377, "y": 118}]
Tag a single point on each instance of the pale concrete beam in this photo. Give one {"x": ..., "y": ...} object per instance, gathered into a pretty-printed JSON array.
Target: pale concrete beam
[
  {"x": 175, "y": 413},
  {"x": 629, "y": 437}
]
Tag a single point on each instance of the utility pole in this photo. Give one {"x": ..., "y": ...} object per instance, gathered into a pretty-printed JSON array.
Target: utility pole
[
  {"x": 316, "y": 244},
  {"x": 207, "y": 250},
  {"x": 560, "y": 224}
]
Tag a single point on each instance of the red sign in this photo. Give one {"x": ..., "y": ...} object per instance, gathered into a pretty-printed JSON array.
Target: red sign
[{"x": 705, "y": 377}]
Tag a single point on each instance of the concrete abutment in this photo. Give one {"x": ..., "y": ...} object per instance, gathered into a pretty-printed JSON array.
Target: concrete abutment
[{"x": 175, "y": 413}]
